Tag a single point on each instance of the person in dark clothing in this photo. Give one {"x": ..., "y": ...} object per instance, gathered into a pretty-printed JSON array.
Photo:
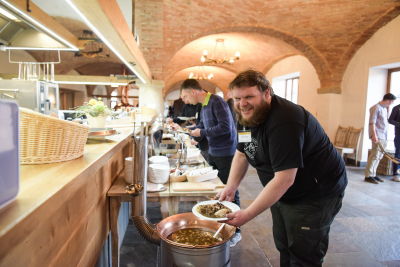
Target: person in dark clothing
[
  {"x": 394, "y": 119},
  {"x": 188, "y": 110},
  {"x": 178, "y": 106},
  {"x": 303, "y": 175},
  {"x": 231, "y": 106},
  {"x": 171, "y": 112}
]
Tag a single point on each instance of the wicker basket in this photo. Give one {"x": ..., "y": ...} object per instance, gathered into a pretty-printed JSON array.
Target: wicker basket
[{"x": 45, "y": 139}]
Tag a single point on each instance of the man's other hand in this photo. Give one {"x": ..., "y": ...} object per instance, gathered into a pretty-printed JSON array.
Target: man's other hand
[
  {"x": 193, "y": 142},
  {"x": 175, "y": 127},
  {"x": 195, "y": 133}
]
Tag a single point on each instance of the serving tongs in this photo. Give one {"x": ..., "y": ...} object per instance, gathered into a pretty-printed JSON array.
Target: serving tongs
[{"x": 134, "y": 189}]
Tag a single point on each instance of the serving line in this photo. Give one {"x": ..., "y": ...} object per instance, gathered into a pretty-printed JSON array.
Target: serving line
[
  {"x": 61, "y": 211},
  {"x": 169, "y": 203}
]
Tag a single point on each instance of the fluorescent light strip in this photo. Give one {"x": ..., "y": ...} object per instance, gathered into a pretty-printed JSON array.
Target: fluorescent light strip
[
  {"x": 7, "y": 14},
  {"x": 90, "y": 83},
  {"x": 34, "y": 48},
  {"x": 104, "y": 40},
  {"x": 72, "y": 47}
]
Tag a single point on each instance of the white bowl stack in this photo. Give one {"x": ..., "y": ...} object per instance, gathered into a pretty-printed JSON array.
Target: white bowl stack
[
  {"x": 128, "y": 170},
  {"x": 159, "y": 160},
  {"x": 158, "y": 173}
]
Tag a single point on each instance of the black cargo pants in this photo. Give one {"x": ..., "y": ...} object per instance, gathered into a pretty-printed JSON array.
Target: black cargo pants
[{"x": 301, "y": 231}]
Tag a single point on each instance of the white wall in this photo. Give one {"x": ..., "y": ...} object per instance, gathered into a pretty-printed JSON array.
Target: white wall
[
  {"x": 219, "y": 92},
  {"x": 359, "y": 91},
  {"x": 308, "y": 81},
  {"x": 150, "y": 95},
  {"x": 80, "y": 90}
]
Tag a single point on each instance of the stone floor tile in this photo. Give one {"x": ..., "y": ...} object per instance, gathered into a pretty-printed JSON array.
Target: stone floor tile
[
  {"x": 337, "y": 227},
  {"x": 275, "y": 262},
  {"x": 138, "y": 255},
  {"x": 387, "y": 223},
  {"x": 253, "y": 188},
  {"x": 359, "y": 224},
  {"x": 338, "y": 243},
  {"x": 390, "y": 263},
  {"x": 352, "y": 259},
  {"x": 266, "y": 242},
  {"x": 249, "y": 257},
  {"x": 247, "y": 242},
  {"x": 383, "y": 246},
  {"x": 349, "y": 211},
  {"x": 376, "y": 210}
]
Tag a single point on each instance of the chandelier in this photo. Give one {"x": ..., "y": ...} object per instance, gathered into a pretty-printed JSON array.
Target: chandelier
[
  {"x": 225, "y": 60},
  {"x": 203, "y": 77}
]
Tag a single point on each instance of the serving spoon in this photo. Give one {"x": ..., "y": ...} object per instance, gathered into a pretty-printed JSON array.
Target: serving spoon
[{"x": 219, "y": 230}]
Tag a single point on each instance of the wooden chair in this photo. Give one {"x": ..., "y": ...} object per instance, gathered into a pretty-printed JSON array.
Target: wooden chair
[
  {"x": 351, "y": 145},
  {"x": 341, "y": 135}
]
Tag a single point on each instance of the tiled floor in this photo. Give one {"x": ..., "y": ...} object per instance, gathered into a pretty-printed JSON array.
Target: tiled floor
[{"x": 365, "y": 233}]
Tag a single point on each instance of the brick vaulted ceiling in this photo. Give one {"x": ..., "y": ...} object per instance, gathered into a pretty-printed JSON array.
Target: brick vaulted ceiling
[{"x": 173, "y": 34}]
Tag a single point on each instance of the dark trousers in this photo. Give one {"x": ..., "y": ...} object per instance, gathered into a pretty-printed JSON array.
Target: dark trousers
[
  {"x": 397, "y": 153},
  {"x": 204, "y": 153},
  {"x": 223, "y": 165},
  {"x": 301, "y": 231}
]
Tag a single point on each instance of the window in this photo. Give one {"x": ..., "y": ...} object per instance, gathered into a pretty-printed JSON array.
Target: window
[
  {"x": 393, "y": 86},
  {"x": 292, "y": 89}
]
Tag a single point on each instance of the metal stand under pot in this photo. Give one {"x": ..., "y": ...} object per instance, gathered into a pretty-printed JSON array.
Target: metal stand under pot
[{"x": 172, "y": 254}]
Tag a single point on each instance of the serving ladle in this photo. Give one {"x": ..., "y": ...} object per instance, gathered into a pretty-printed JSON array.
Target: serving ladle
[{"x": 219, "y": 230}]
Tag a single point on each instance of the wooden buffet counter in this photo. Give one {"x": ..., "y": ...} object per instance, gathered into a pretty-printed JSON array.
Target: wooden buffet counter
[{"x": 60, "y": 217}]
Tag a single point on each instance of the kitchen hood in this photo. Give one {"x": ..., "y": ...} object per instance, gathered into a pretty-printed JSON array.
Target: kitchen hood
[{"x": 21, "y": 29}]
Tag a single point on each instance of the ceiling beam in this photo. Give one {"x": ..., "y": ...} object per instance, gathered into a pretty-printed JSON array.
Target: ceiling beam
[{"x": 107, "y": 18}]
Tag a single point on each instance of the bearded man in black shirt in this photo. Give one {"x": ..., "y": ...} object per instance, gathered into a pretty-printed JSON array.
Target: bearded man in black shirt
[{"x": 303, "y": 175}]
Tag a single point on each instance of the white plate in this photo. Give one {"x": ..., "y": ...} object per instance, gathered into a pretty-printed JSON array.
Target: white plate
[
  {"x": 159, "y": 167},
  {"x": 230, "y": 205},
  {"x": 185, "y": 118}
]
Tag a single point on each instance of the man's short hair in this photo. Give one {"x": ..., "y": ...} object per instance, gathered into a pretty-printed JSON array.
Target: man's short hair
[
  {"x": 190, "y": 84},
  {"x": 250, "y": 78},
  {"x": 389, "y": 96}
]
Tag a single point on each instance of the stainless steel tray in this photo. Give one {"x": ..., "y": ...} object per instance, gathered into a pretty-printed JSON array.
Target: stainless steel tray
[{"x": 99, "y": 132}]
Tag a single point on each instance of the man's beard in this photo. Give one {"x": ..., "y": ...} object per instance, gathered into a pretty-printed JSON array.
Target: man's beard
[{"x": 260, "y": 114}]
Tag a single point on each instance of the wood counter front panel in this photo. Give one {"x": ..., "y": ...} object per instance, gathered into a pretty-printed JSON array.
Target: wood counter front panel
[{"x": 71, "y": 226}]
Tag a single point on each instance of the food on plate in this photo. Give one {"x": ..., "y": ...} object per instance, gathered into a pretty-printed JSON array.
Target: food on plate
[
  {"x": 194, "y": 237},
  {"x": 217, "y": 210}
]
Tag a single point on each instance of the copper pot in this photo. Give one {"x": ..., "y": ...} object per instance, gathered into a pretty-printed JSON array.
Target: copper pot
[
  {"x": 181, "y": 255},
  {"x": 189, "y": 220}
]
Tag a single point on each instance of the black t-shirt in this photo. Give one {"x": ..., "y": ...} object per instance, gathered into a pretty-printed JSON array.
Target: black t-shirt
[{"x": 293, "y": 138}]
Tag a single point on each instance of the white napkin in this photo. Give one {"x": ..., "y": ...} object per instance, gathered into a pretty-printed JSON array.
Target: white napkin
[{"x": 155, "y": 187}]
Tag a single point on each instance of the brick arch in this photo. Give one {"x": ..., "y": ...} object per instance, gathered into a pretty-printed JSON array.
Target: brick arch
[
  {"x": 272, "y": 62},
  {"x": 314, "y": 56},
  {"x": 205, "y": 84},
  {"x": 358, "y": 42},
  {"x": 222, "y": 71}
]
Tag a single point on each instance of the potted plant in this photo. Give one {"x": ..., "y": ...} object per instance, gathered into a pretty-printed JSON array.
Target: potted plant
[{"x": 95, "y": 111}]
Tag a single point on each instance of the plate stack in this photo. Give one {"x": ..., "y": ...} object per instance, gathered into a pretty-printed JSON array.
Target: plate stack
[
  {"x": 159, "y": 160},
  {"x": 158, "y": 173},
  {"x": 128, "y": 170}
]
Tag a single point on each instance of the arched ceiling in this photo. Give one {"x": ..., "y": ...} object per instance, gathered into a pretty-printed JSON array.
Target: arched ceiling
[
  {"x": 256, "y": 51},
  {"x": 221, "y": 79},
  {"x": 174, "y": 33},
  {"x": 327, "y": 32}
]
